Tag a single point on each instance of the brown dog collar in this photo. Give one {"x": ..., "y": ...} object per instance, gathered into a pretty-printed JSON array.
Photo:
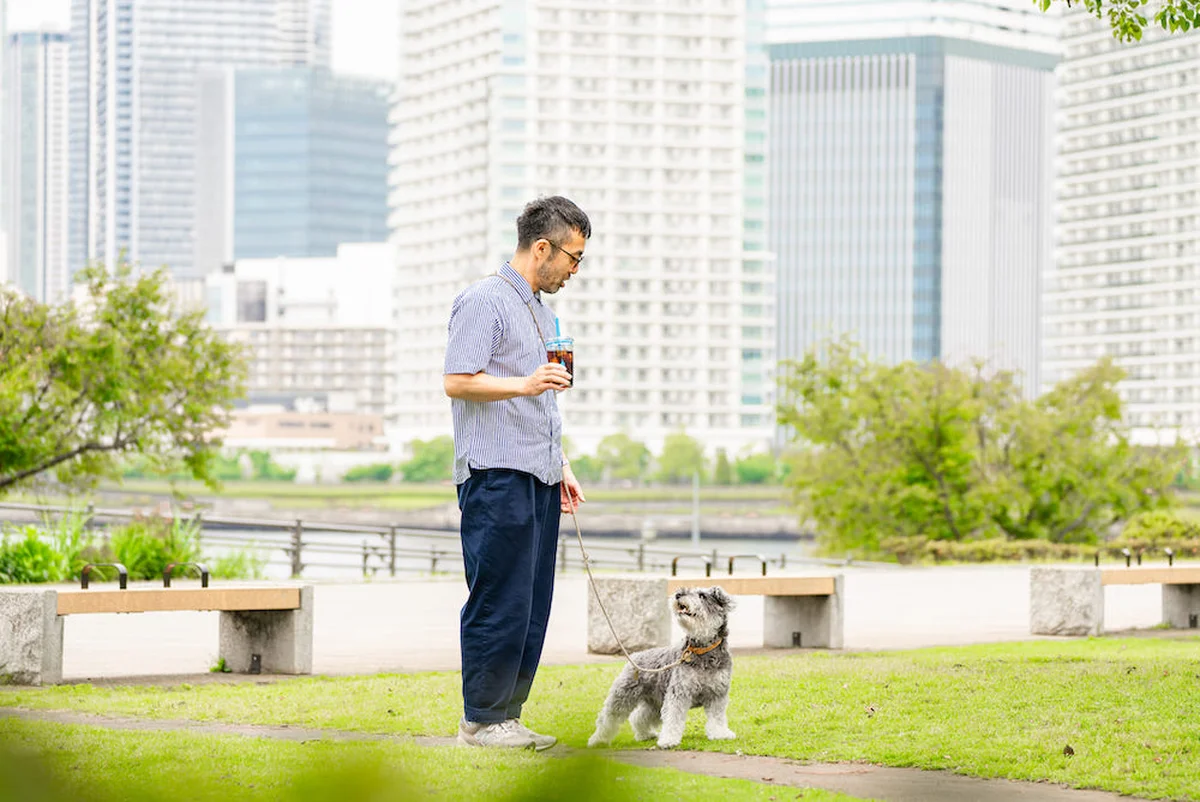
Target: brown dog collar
[{"x": 691, "y": 651}]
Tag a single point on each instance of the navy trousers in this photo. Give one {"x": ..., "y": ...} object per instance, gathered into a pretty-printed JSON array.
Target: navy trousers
[{"x": 509, "y": 542}]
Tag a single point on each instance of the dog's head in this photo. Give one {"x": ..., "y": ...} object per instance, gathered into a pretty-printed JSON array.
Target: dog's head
[{"x": 703, "y": 612}]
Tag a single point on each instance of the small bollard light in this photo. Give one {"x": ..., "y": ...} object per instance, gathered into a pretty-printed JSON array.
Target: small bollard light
[
  {"x": 796, "y": 640},
  {"x": 1170, "y": 555},
  {"x": 256, "y": 664},
  {"x": 1128, "y": 555}
]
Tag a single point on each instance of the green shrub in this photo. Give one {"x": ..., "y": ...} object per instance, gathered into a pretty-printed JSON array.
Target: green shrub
[
  {"x": 241, "y": 564},
  {"x": 756, "y": 469},
  {"x": 587, "y": 469},
  {"x": 145, "y": 545},
  {"x": 432, "y": 460},
  {"x": 377, "y": 472},
  {"x": 1149, "y": 529},
  {"x": 26, "y": 558},
  {"x": 908, "y": 550}
]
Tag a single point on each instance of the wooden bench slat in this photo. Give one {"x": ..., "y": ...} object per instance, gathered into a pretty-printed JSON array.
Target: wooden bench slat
[
  {"x": 148, "y": 600},
  {"x": 760, "y": 585},
  {"x": 1179, "y": 575}
]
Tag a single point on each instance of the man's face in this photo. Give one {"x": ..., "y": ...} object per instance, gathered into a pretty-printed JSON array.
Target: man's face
[{"x": 558, "y": 261}]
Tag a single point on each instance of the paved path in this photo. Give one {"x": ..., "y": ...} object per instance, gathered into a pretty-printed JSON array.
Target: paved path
[
  {"x": 855, "y": 779},
  {"x": 410, "y": 625}
]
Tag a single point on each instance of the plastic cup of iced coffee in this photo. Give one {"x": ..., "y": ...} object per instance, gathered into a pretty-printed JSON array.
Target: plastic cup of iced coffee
[{"x": 562, "y": 351}]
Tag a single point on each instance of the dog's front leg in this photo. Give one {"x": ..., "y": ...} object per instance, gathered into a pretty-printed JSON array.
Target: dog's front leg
[
  {"x": 716, "y": 727},
  {"x": 674, "y": 717}
]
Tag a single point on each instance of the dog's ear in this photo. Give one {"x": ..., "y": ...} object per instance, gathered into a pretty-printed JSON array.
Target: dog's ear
[{"x": 721, "y": 597}]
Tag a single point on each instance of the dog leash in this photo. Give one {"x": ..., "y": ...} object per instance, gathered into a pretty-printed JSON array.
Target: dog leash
[{"x": 688, "y": 651}]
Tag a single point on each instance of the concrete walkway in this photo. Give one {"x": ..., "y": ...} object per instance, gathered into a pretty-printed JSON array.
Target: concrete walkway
[
  {"x": 854, "y": 779},
  {"x": 411, "y": 625}
]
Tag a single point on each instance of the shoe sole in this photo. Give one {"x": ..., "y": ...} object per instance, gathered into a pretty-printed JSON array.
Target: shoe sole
[{"x": 466, "y": 740}]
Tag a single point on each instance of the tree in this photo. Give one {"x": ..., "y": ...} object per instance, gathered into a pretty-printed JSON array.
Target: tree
[
  {"x": 1128, "y": 20},
  {"x": 958, "y": 454},
  {"x": 126, "y": 373},
  {"x": 432, "y": 460},
  {"x": 756, "y": 469},
  {"x": 623, "y": 457},
  {"x": 587, "y": 469},
  {"x": 723, "y": 472},
  {"x": 681, "y": 457}
]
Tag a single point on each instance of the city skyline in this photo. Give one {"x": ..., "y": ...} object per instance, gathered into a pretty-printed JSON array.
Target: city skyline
[{"x": 363, "y": 42}]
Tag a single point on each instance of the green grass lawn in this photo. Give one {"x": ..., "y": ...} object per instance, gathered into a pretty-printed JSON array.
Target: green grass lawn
[
  {"x": 92, "y": 763},
  {"x": 749, "y": 499},
  {"x": 1127, "y": 707}
]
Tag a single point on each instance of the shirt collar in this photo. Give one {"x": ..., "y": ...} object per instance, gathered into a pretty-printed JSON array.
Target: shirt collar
[{"x": 517, "y": 280}]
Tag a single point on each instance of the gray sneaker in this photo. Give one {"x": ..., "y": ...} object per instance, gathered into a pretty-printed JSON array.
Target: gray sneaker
[
  {"x": 540, "y": 741},
  {"x": 502, "y": 735}
]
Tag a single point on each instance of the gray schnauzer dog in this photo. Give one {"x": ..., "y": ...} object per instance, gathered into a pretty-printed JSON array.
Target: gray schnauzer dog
[{"x": 696, "y": 674}]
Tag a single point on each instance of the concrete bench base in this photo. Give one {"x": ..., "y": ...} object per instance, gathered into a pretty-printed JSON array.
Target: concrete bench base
[
  {"x": 31, "y": 638},
  {"x": 1065, "y": 601},
  {"x": 1070, "y": 601},
  {"x": 32, "y": 623},
  {"x": 640, "y": 609}
]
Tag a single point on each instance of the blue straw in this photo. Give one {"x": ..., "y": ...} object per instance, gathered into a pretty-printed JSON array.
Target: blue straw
[{"x": 557, "y": 330}]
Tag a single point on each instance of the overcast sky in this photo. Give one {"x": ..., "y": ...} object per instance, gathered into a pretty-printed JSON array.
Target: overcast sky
[{"x": 365, "y": 38}]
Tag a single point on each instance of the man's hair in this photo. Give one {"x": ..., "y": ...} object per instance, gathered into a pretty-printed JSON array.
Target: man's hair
[{"x": 551, "y": 218}]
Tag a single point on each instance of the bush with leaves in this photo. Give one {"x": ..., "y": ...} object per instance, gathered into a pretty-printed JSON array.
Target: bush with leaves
[
  {"x": 146, "y": 545},
  {"x": 26, "y": 558},
  {"x": 587, "y": 469},
  {"x": 623, "y": 457},
  {"x": 432, "y": 460},
  {"x": 756, "y": 469},
  {"x": 376, "y": 472}
]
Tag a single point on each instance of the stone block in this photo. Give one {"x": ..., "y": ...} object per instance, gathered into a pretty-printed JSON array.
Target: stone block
[
  {"x": 818, "y": 620},
  {"x": 1181, "y": 605},
  {"x": 283, "y": 638},
  {"x": 1065, "y": 601},
  {"x": 31, "y": 637},
  {"x": 639, "y": 609}
]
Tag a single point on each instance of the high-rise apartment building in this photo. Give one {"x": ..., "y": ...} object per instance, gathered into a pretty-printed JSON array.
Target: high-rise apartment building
[
  {"x": 295, "y": 163},
  {"x": 35, "y": 164},
  {"x": 318, "y": 328},
  {"x": 911, "y": 177},
  {"x": 304, "y": 32},
  {"x": 135, "y": 65},
  {"x": 3, "y": 145},
  {"x": 1126, "y": 279},
  {"x": 652, "y": 118}
]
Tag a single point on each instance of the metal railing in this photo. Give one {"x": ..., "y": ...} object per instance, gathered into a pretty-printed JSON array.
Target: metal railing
[{"x": 374, "y": 549}]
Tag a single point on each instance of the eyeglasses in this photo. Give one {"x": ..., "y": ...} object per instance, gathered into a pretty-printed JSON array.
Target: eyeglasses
[{"x": 576, "y": 260}]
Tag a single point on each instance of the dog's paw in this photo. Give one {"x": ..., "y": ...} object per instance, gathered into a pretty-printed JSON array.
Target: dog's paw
[
  {"x": 645, "y": 736},
  {"x": 722, "y": 735},
  {"x": 595, "y": 741},
  {"x": 668, "y": 743}
]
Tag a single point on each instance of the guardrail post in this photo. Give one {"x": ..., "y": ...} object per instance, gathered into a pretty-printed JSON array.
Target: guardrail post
[
  {"x": 433, "y": 558},
  {"x": 641, "y": 557},
  {"x": 392, "y": 551},
  {"x": 365, "y": 554},
  {"x": 297, "y": 543}
]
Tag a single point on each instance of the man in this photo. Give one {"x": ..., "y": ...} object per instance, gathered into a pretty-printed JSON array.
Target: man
[{"x": 513, "y": 479}]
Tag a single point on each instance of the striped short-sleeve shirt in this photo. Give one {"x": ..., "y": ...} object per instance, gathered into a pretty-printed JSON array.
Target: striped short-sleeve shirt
[{"x": 492, "y": 330}]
